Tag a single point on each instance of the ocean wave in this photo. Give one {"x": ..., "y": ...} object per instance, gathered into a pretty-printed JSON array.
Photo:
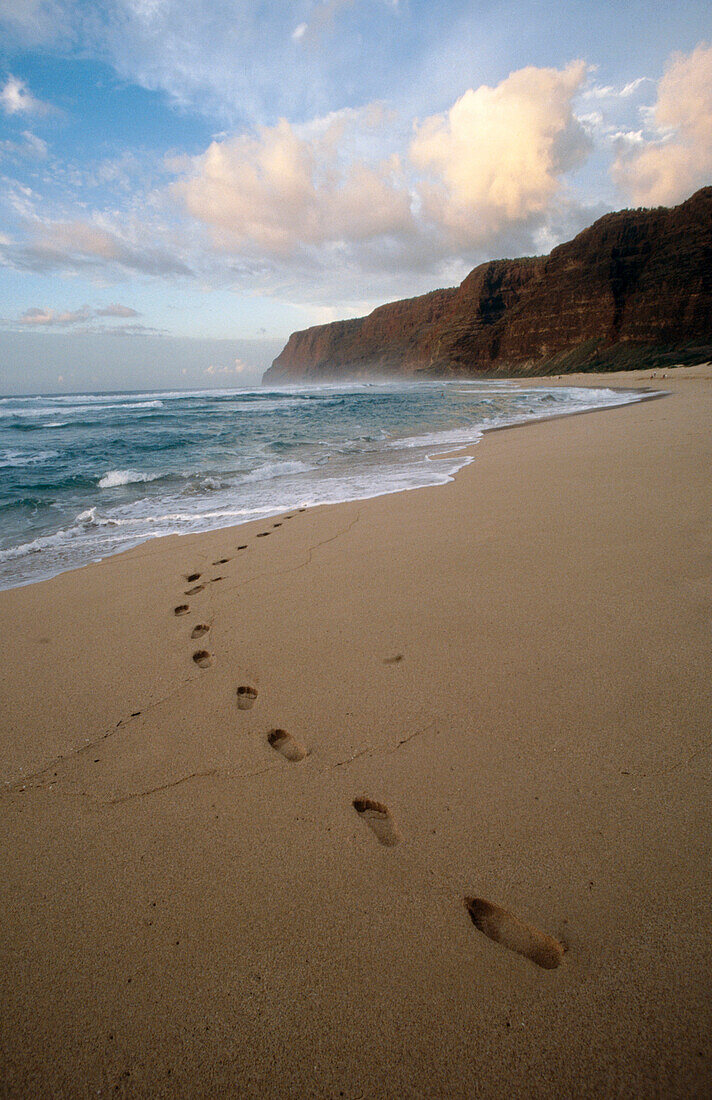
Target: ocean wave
[
  {"x": 26, "y": 414},
  {"x": 455, "y": 437},
  {"x": 271, "y": 470},
  {"x": 93, "y": 399},
  {"x": 114, "y": 479},
  {"x": 136, "y": 405},
  {"x": 77, "y": 410},
  {"x": 20, "y": 503},
  {"x": 64, "y": 543},
  {"x": 259, "y": 404},
  {"x": 10, "y": 459},
  {"x": 36, "y": 546}
]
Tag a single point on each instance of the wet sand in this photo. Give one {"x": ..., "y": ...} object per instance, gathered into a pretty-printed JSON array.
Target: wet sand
[{"x": 452, "y": 836}]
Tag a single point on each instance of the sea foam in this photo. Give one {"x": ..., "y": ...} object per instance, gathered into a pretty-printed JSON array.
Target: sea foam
[{"x": 116, "y": 478}]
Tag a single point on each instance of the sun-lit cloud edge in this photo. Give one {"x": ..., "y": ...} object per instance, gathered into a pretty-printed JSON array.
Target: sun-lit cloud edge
[{"x": 671, "y": 155}]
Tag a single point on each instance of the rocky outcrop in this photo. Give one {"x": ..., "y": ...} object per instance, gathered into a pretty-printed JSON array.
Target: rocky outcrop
[{"x": 634, "y": 288}]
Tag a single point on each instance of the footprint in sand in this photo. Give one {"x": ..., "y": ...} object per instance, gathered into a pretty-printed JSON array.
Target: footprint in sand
[
  {"x": 243, "y": 547},
  {"x": 276, "y": 524},
  {"x": 192, "y": 576},
  {"x": 181, "y": 609},
  {"x": 379, "y": 820},
  {"x": 196, "y": 588},
  {"x": 202, "y": 658},
  {"x": 262, "y": 534},
  {"x": 511, "y": 932},
  {"x": 246, "y": 697},
  {"x": 393, "y": 660},
  {"x": 221, "y": 561},
  {"x": 199, "y": 630},
  {"x": 214, "y": 579},
  {"x": 288, "y": 746}
]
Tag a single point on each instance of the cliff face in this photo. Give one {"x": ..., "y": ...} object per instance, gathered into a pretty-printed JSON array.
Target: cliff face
[{"x": 635, "y": 285}]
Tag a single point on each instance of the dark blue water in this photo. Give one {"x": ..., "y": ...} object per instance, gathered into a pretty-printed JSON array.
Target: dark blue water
[{"x": 88, "y": 475}]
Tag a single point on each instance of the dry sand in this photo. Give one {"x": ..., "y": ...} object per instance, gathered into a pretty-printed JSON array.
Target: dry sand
[{"x": 514, "y": 667}]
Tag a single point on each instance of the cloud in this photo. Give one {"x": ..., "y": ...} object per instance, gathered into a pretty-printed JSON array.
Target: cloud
[
  {"x": 117, "y": 310},
  {"x": 238, "y": 367},
  {"x": 50, "y": 318},
  {"x": 123, "y": 330},
  {"x": 31, "y": 146},
  {"x": 676, "y": 158},
  {"x": 312, "y": 210},
  {"x": 35, "y": 145},
  {"x": 82, "y": 246},
  {"x": 495, "y": 161},
  {"x": 497, "y": 157},
  {"x": 607, "y": 91},
  {"x": 16, "y": 98},
  {"x": 217, "y": 57},
  {"x": 38, "y": 22},
  {"x": 276, "y": 191},
  {"x": 632, "y": 86}
]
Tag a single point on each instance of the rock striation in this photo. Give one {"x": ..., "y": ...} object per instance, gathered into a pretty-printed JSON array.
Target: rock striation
[{"x": 633, "y": 289}]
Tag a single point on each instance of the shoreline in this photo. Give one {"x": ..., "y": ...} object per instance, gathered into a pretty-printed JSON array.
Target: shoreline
[
  {"x": 515, "y": 665},
  {"x": 465, "y": 449}
]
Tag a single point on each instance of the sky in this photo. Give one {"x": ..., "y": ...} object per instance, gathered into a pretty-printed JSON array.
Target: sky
[{"x": 185, "y": 182}]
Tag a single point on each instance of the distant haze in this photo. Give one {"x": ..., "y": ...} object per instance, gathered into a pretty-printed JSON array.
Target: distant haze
[{"x": 40, "y": 362}]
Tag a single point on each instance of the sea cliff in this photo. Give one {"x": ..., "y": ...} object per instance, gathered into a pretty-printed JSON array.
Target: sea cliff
[{"x": 636, "y": 286}]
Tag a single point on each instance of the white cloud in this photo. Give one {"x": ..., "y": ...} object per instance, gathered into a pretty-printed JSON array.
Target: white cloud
[
  {"x": 35, "y": 22},
  {"x": 122, "y": 330},
  {"x": 277, "y": 191},
  {"x": 676, "y": 158},
  {"x": 35, "y": 144},
  {"x": 232, "y": 60},
  {"x": 497, "y": 157},
  {"x": 45, "y": 317},
  {"x": 114, "y": 309},
  {"x": 83, "y": 245},
  {"x": 31, "y": 147},
  {"x": 16, "y": 98},
  {"x": 609, "y": 92},
  {"x": 632, "y": 86},
  {"x": 486, "y": 173},
  {"x": 238, "y": 367},
  {"x": 352, "y": 205}
]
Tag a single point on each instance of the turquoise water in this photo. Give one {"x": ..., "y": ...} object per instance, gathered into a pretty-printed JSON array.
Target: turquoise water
[{"x": 87, "y": 475}]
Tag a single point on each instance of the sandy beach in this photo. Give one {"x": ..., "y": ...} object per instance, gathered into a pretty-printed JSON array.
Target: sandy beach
[{"x": 515, "y": 667}]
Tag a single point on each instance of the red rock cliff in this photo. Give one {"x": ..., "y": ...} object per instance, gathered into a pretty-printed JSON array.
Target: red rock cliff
[{"x": 634, "y": 287}]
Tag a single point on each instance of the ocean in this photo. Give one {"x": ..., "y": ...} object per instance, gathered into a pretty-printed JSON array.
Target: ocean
[{"x": 83, "y": 476}]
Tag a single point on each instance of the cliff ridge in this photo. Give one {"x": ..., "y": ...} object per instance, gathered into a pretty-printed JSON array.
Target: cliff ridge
[{"x": 636, "y": 286}]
